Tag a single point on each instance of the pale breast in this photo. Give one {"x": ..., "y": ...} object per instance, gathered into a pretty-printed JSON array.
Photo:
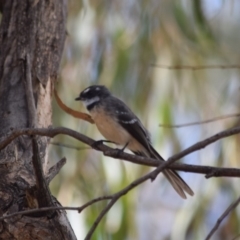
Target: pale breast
[
  {"x": 114, "y": 132},
  {"x": 109, "y": 128}
]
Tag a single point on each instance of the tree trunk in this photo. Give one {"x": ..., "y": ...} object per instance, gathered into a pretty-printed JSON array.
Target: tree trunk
[{"x": 32, "y": 35}]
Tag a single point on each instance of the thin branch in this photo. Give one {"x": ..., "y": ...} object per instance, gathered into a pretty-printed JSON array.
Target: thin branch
[
  {"x": 200, "y": 122},
  {"x": 206, "y": 142},
  {"x": 45, "y": 209},
  {"x": 54, "y": 170},
  {"x": 224, "y": 215},
  {"x": 195, "y": 68},
  {"x": 118, "y": 195},
  {"x": 48, "y": 132},
  {"x": 208, "y": 170},
  {"x": 217, "y": 172},
  {"x": 152, "y": 175},
  {"x": 43, "y": 193}
]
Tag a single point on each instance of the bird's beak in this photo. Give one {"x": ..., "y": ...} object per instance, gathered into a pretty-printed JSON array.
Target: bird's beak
[{"x": 78, "y": 99}]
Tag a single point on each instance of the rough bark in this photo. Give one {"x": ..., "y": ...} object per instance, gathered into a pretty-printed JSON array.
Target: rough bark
[{"x": 32, "y": 35}]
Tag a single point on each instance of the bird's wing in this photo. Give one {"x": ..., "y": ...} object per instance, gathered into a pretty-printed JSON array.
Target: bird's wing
[{"x": 130, "y": 122}]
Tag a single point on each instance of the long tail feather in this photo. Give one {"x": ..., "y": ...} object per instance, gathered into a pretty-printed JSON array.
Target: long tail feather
[{"x": 176, "y": 181}]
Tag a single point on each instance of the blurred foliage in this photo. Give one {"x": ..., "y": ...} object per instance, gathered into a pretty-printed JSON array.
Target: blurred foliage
[{"x": 116, "y": 43}]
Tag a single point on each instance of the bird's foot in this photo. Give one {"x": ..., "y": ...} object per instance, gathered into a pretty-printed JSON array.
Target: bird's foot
[
  {"x": 96, "y": 144},
  {"x": 121, "y": 150}
]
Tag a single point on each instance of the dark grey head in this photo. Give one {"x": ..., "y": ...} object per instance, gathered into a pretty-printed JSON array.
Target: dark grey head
[{"x": 92, "y": 95}]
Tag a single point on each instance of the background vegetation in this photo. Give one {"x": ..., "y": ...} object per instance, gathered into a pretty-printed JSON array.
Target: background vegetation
[{"x": 121, "y": 44}]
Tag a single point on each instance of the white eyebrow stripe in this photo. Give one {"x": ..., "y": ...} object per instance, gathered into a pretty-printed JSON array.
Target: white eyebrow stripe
[{"x": 86, "y": 90}]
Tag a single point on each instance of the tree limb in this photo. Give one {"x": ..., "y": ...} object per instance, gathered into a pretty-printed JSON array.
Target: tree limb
[
  {"x": 210, "y": 171},
  {"x": 42, "y": 194}
]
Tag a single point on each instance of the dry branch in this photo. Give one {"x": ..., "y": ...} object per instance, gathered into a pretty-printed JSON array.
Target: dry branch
[
  {"x": 76, "y": 114},
  {"x": 195, "y": 68},
  {"x": 200, "y": 122},
  {"x": 114, "y": 153},
  {"x": 222, "y": 217}
]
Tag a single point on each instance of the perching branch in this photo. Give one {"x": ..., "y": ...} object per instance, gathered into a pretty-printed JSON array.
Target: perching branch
[{"x": 210, "y": 171}]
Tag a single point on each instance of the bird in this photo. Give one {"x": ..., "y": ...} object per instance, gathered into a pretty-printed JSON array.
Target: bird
[{"x": 118, "y": 124}]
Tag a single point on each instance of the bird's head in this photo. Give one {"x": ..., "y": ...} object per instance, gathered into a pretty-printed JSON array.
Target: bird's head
[{"x": 92, "y": 95}]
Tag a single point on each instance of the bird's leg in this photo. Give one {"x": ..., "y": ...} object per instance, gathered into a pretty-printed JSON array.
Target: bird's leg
[
  {"x": 124, "y": 147},
  {"x": 96, "y": 144},
  {"x": 121, "y": 150}
]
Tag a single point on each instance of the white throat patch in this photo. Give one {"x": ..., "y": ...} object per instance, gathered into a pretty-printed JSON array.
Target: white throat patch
[{"x": 88, "y": 102}]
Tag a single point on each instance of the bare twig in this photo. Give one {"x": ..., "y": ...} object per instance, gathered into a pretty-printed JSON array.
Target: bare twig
[
  {"x": 115, "y": 197},
  {"x": 45, "y": 209},
  {"x": 224, "y": 215},
  {"x": 152, "y": 175},
  {"x": 207, "y": 141},
  {"x": 200, "y": 122},
  {"x": 208, "y": 170},
  {"x": 54, "y": 170},
  {"x": 195, "y": 68},
  {"x": 43, "y": 193}
]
